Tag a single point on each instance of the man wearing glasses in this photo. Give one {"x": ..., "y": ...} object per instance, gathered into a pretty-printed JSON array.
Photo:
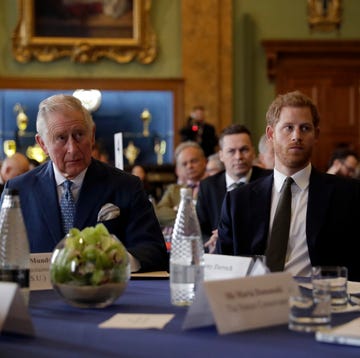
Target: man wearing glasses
[{"x": 343, "y": 162}]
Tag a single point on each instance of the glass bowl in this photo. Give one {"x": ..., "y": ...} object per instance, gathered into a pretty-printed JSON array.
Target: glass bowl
[{"x": 90, "y": 268}]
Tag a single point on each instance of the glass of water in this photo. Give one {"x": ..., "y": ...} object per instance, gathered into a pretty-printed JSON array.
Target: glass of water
[
  {"x": 336, "y": 276},
  {"x": 310, "y": 310}
]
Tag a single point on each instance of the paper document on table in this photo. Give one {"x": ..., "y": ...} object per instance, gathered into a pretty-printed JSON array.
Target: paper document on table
[
  {"x": 348, "y": 334},
  {"x": 137, "y": 321}
]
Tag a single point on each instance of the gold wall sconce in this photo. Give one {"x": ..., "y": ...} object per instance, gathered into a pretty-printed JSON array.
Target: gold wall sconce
[
  {"x": 22, "y": 119},
  {"x": 131, "y": 152},
  {"x": 9, "y": 147},
  {"x": 146, "y": 118},
  {"x": 160, "y": 150},
  {"x": 324, "y": 15}
]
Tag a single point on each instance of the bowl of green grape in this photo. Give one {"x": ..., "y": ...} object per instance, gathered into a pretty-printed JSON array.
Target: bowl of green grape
[{"x": 90, "y": 268}]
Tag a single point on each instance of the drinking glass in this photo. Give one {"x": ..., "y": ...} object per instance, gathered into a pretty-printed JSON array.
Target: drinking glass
[
  {"x": 310, "y": 310},
  {"x": 336, "y": 276}
]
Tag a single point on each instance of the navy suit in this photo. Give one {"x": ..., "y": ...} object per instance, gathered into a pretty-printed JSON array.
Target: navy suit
[
  {"x": 212, "y": 191},
  {"x": 332, "y": 220},
  {"x": 136, "y": 226}
]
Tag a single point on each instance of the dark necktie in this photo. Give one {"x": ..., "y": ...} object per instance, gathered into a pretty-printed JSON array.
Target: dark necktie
[
  {"x": 279, "y": 237},
  {"x": 67, "y": 206},
  {"x": 235, "y": 185}
]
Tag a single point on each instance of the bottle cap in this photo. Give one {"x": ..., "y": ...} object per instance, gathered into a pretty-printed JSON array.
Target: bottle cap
[
  {"x": 11, "y": 191},
  {"x": 186, "y": 192}
]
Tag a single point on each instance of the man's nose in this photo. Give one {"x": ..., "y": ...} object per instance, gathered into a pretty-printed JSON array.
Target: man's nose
[
  {"x": 296, "y": 133},
  {"x": 71, "y": 144}
]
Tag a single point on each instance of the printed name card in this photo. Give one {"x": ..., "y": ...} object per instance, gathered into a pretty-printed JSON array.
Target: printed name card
[
  {"x": 250, "y": 302},
  {"x": 40, "y": 271},
  {"x": 241, "y": 304},
  {"x": 218, "y": 267},
  {"x": 14, "y": 315},
  {"x": 225, "y": 266}
]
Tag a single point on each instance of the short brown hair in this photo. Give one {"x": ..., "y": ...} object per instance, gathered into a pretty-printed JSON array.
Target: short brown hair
[
  {"x": 291, "y": 99},
  {"x": 233, "y": 129}
]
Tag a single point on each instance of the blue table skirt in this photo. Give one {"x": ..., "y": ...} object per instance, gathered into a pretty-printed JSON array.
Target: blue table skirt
[{"x": 65, "y": 331}]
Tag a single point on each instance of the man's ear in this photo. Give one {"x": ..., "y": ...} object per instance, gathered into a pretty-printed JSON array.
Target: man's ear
[
  {"x": 269, "y": 132},
  {"x": 41, "y": 143}
]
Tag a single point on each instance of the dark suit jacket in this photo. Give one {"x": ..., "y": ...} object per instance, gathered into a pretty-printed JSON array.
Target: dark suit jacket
[
  {"x": 332, "y": 220},
  {"x": 137, "y": 226},
  {"x": 212, "y": 192}
]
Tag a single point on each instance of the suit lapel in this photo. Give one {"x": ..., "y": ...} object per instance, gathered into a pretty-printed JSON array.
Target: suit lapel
[
  {"x": 45, "y": 187},
  {"x": 91, "y": 197},
  {"x": 221, "y": 191},
  {"x": 260, "y": 204}
]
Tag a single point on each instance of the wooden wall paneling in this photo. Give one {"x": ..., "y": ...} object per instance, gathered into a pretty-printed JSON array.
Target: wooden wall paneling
[{"x": 329, "y": 72}]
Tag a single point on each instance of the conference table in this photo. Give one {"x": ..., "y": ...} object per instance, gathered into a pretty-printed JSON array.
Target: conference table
[{"x": 65, "y": 331}]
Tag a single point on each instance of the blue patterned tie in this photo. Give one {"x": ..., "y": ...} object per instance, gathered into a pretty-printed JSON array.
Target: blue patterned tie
[{"x": 67, "y": 206}]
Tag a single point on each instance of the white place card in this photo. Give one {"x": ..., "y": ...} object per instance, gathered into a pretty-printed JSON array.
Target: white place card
[
  {"x": 137, "y": 321},
  {"x": 40, "y": 271},
  {"x": 216, "y": 267},
  {"x": 225, "y": 266},
  {"x": 199, "y": 313},
  {"x": 241, "y": 304},
  {"x": 14, "y": 315},
  {"x": 250, "y": 302},
  {"x": 118, "y": 147}
]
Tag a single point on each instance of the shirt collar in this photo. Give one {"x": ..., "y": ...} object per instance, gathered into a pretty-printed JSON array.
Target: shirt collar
[
  {"x": 59, "y": 178},
  {"x": 301, "y": 178},
  {"x": 230, "y": 181}
]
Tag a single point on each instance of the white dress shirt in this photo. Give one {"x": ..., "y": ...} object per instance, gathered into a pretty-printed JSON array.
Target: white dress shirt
[{"x": 231, "y": 183}]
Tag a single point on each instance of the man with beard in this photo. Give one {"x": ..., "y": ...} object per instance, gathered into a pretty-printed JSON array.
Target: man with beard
[{"x": 324, "y": 208}]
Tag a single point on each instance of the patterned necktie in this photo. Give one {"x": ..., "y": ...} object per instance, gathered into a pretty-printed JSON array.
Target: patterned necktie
[
  {"x": 235, "y": 185},
  {"x": 67, "y": 206},
  {"x": 279, "y": 237}
]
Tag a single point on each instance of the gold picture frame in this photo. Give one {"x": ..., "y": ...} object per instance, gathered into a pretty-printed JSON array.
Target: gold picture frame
[{"x": 72, "y": 28}]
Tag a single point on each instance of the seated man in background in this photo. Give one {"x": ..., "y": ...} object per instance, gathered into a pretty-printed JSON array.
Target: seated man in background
[
  {"x": 324, "y": 209},
  {"x": 343, "y": 162},
  {"x": 102, "y": 193},
  {"x": 237, "y": 153},
  {"x": 214, "y": 164},
  {"x": 139, "y": 171},
  {"x": 13, "y": 166},
  {"x": 191, "y": 163},
  {"x": 265, "y": 158}
]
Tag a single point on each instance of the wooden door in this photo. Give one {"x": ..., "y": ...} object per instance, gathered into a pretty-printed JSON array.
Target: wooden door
[{"x": 330, "y": 75}]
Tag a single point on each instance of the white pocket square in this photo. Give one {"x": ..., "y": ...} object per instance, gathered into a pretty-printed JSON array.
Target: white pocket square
[{"x": 107, "y": 212}]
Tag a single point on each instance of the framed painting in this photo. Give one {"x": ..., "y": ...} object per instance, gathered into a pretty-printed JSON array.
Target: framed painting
[{"x": 84, "y": 30}]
